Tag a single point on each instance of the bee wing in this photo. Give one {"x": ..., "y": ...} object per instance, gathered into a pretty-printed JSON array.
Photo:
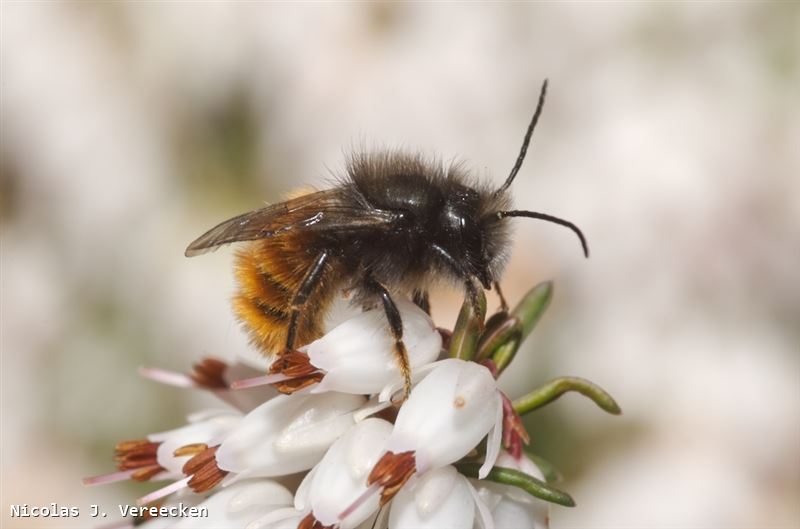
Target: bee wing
[{"x": 321, "y": 210}]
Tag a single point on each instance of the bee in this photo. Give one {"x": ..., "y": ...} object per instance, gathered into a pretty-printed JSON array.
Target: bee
[{"x": 395, "y": 224}]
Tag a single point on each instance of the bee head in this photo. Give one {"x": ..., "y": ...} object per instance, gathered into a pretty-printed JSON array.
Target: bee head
[
  {"x": 473, "y": 237},
  {"x": 470, "y": 238}
]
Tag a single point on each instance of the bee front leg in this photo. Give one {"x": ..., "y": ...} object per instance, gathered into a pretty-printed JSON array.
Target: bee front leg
[
  {"x": 310, "y": 281},
  {"x": 396, "y": 326},
  {"x": 503, "y": 302}
]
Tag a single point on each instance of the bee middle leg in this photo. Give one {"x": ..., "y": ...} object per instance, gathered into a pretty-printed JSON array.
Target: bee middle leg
[
  {"x": 310, "y": 281},
  {"x": 396, "y": 326}
]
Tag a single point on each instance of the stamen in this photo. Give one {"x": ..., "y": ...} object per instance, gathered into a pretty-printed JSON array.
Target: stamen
[
  {"x": 391, "y": 472},
  {"x": 140, "y": 456},
  {"x": 170, "y": 378},
  {"x": 291, "y": 372},
  {"x": 113, "y": 477},
  {"x": 366, "y": 495},
  {"x": 203, "y": 472},
  {"x": 147, "y": 473},
  {"x": 298, "y": 368},
  {"x": 164, "y": 491},
  {"x": 190, "y": 450},
  {"x": 208, "y": 373},
  {"x": 262, "y": 380}
]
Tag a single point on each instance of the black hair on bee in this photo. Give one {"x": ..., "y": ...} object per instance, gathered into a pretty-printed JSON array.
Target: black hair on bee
[{"x": 394, "y": 224}]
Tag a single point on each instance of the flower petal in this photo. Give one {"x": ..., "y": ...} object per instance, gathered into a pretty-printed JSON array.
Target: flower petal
[
  {"x": 287, "y": 434},
  {"x": 424, "y": 506}
]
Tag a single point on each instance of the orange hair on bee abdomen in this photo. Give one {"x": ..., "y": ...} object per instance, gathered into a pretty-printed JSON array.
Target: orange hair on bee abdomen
[{"x": 268, "y": 273}]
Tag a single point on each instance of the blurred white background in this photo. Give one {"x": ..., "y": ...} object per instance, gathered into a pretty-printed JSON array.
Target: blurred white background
[{"x": 670, "y": 135}]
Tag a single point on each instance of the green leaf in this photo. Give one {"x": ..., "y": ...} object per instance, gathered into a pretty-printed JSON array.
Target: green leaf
[
  {"x": 468, "y": 327},
  {"x": 557, "y": 387},
  {"x": 501, "y": 330},
  {"x": 532, "y": 307},
  {"x": 515, "y": 478}
]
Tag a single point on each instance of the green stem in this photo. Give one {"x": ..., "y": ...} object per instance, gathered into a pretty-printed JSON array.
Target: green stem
[
  {"x": 555, "y": 388},
  {"x": 515, "y": 478}
]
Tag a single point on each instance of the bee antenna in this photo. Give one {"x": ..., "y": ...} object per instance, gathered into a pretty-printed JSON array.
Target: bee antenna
[
  {"x": 524, "y": 150},
  {"x": 548, "y": 218}
]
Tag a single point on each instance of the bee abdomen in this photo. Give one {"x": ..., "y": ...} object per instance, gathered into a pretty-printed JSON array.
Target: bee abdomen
[{"x": 266, "y": 286}]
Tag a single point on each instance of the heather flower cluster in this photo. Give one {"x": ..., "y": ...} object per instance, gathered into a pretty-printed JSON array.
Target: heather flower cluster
[{"x": 329, "y": 441}]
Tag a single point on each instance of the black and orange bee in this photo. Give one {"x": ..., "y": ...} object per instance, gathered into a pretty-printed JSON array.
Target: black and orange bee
[{"x": 393, "y": 225}]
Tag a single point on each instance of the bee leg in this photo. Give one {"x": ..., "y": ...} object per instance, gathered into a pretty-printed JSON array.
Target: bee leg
[
  {"x": 310, "y": 281},
  {"x": 422, "y": 301},
  {"x": 396, "y": 326},
  {"x": 503, "y": 302}
]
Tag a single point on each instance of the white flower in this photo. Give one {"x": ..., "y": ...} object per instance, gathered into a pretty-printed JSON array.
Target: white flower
[
  {"x": 440, "y": 498},
  {"x": 341, "y": 476},
  {"x": 239, "y": 504},
  {"x": 155, "y": 458},
  {"x": 511, "y": 507},
  {"x": 352, "y": 464},
  {"x": 357, "y": 355},
  {"x": 287, "y": 434},
  {"x": 209, "y": 430},
  {"x": 447, "y": 415},
  {"x": 187, "y": 499}
]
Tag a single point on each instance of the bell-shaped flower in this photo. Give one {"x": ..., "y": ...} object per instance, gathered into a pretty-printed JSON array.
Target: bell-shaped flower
[
  {"x": 238, "y": 505},
  {"x": 439, "y": 498},
  {"x": 184, "y": 500},
  {"x": 175, "y": 446},
  {"x": 511, "y": 507},
  {"x": 162, "y": 455},
  {"x": 287, "y": 434},
  {"x": 447, "y": 415},
  {"x": 341, "y": 477},
  {"x": 357, "y": 356}
]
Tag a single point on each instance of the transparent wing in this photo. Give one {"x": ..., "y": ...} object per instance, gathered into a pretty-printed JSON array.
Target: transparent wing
[{"x": 322, "y": 210}]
